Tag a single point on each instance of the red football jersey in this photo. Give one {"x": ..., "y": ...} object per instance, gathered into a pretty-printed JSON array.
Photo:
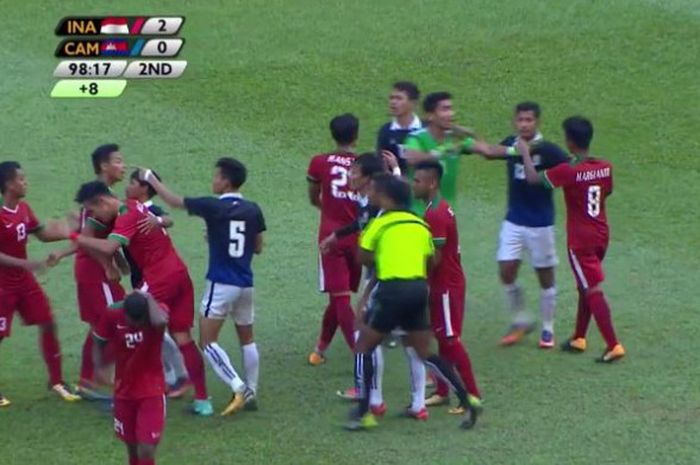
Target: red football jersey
[
  {"x": 153, "y": 252},
  {"x": 587, "y": 184},
  {"x": 338, "y": 205},
  {"x": 15, "y": 226},
  {"x": 86, "y": 268},
  {"x": 443, "y": 224},
  {"x": 139, "y": 367}
]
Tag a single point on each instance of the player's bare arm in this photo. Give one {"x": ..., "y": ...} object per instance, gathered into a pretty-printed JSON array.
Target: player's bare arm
[
  {"x": 52, "y": 231},
  {"x": 105, "y": 247},
  {"x": 156, "y": 316},
  {"x": 259, "y": 243},
  {"x": 29, "y": 265},
  {"x": 366, "y": 257},
  {"x": 489, "y": 151},
  {"x": 531, "y": 174},
  {"x": 145, "y": 225},
  {"x": 121, "y": 264},
  {"x": 314, "y": 192},
  {"x": 170, "y": 198},
  {"x": 413, "y": 157}
]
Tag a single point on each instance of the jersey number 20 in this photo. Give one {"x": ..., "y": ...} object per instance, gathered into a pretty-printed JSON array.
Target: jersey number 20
[
  {"x": 593, "y": 201},
  {"x": 236, "y": 247}
]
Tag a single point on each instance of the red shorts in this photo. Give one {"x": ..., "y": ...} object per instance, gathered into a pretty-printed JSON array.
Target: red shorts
[
  {"x": 175, "y": 291},
  {"x": 447, "y": 311},
  {"x": 340, "y": 269},
  {"x": 139, "y": 421},
  {"x": 27, "y": 299},
  {"x": 95, "y": 297},
  {"x": 587, "y": 265}
]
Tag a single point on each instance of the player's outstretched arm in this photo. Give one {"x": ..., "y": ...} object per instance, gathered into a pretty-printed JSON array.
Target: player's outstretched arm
[
  {"x": 105, "y": 247},
  {"x": 413, "y": 157},
  {"x": 157, "y": 317},
  {"x": 53, "y": 231},
  {"x": 170, "y": 198},
  {"x": 489, "y": 151},
  {"x": 531, "y": 174},
  {"x": 29, "y": 265}
]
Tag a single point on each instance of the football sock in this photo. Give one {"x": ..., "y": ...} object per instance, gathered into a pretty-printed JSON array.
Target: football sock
[
  {"x": 416, "y": 370},
  {"x": 251, "y": 364},
  {"x": 516, "y": 301},
  {"x": 147, "y": 462},
  {"x": 51, "y": 351},
  {"x": 443, "y": 369},
  {"x": 195, "y": 369},
  {"x": 454, "y": 351},
  {"x": 601, "y": 312},
  {"x": 220, "y": 362},
  {"x": 134, "y": 460},
  {"x": 345, "y": 317},
  {"x": 364, "y": 373},
  {"x": 172, "y": 357},
  {"x": 583, "y": 317},
  {"x": 375, "y": 391},
  {"x": 548, "y": 300},
  {"x": 328, "y": 326},
  {"x": 87, "y": 369}
]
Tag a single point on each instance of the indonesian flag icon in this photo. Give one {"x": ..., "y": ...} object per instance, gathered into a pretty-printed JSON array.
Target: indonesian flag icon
[{"x": 114, "y": 26}]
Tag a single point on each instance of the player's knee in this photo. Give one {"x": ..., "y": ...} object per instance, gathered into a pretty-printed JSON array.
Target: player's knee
[
  {"x": 546, "y": 277},
  {"x": 49, "y": 327},
  {"x": 182, "y": 338},
  {"x": 146, "y": 451},
  {"x": 508, "y": 272}
]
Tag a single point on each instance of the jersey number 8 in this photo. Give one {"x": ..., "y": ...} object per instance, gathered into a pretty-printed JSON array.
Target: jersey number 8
[
  {"x": 594, "y": 201},
  {"x": 236, "y": 247}
]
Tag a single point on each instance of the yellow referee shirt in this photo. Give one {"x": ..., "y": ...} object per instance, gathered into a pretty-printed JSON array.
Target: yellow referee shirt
[{"x": 401, "y": 243}]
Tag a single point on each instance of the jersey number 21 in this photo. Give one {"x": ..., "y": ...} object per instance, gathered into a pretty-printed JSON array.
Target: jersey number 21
[{"x": 236, "y": 247}]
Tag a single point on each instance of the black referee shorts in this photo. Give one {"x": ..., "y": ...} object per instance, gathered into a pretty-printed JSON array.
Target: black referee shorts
[{"x": 400, "y": 303}]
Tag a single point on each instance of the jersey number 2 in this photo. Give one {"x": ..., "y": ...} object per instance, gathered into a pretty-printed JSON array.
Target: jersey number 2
[
  {"x": 236, "y": 247},
  {"x": 593, "y": 201},
  {"x": 339, "y": 181}
]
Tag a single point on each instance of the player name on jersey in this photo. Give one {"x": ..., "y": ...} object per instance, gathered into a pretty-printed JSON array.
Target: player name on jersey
[
  {"x": 126, "y": 25},
  {"x": 119, "y": 47}
]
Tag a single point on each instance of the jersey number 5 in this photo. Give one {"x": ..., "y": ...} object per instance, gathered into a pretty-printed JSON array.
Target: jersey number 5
[
  {"x": 593, "y": 201},
  {"x": 236, "y": 247}
]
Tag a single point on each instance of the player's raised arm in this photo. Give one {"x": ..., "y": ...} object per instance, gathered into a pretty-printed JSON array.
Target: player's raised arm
[
  {"x": 488, "y": 151},
  {"x": 531, "y": 174},
  {"x": 169, "y": 197},
  {"x": 157, "y": 317}
]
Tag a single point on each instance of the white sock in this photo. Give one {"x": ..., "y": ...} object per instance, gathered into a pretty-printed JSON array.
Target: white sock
[
  {"x": 220, "y": 362},
  {"x": 375, "y": 391},
  {"x": 251, "y": 363},
  {"x": 172, "y": 358},
  {"x": 516, "y": 302},
  {"x": 417, "y": 379},
  {"x": 548, "y": 300}
]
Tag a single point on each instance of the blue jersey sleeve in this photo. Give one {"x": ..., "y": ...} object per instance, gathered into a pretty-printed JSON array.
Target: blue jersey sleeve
[
  {"x": 260, "y": 219},
  {"x": 206, "y": 207},
  {"x": 157, "y": 211}
]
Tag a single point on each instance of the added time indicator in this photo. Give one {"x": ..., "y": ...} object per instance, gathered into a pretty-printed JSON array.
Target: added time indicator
[{"x": 90, "y": 69}]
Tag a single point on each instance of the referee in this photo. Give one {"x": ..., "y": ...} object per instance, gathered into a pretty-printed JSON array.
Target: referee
[{"x": 399, "y": 244}]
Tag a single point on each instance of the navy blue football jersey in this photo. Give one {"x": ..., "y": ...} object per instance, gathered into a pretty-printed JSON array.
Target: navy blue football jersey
[
  {"x": 233, "y": 224},
  {"x": 531, "y": 205}
]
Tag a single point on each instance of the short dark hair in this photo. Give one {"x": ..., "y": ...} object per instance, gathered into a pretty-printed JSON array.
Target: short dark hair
[
  {"x": 102, "y": 154},
  {"x": 92, "y": 190},
  {"x": 529, "y": 106},
  {"x": 408, "y": 88},
  {"x": 578, "y": 130},
  {"x": 151, "y": 191},
  {"x": 136, "y": 306},
  {"x": 431, "y": 101},
  {"x": 370, "y": 164},
  {"x": 431, "y": 165},
  {"x": 344, "y": 128},
  {"x": 233, "y": 170},
  {"x": 398, "y": 190},
  {"x": 8, "y": 171}
]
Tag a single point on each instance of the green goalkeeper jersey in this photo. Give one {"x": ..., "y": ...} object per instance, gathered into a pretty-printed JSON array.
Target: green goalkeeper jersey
[{"x": 447, "y": 153}]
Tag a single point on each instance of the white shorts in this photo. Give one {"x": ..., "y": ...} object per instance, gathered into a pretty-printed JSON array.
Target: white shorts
[
  {"x": 538, "y": 242},
  {"x": 223, "y": 300}
]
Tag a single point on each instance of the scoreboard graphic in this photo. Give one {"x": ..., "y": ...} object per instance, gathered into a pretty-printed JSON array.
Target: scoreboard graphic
[{"x": 100, "y": 54}]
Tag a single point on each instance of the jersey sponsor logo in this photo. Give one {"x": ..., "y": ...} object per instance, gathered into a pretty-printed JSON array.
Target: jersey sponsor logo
[
  {"x": 8, "y": 226},
  {"x": 585, "y": 176}
]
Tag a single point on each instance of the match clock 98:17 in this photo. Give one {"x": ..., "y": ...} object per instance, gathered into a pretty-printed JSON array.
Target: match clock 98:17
[{"x": 90, "y": 68}]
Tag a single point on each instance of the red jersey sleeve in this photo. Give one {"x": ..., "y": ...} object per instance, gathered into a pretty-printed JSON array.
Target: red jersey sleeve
[
  {"x": 125, "y": 226},
  {"x": 437, "y": 221},
  {"x": 561, "y": 175},
  {"x": 106, "y": 327},
  {"x": 33, "y": 224},
  {"x": 316, "y": 168}
]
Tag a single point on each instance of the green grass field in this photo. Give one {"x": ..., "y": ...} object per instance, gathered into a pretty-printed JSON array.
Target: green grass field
[{"x": 264, "y": 78}]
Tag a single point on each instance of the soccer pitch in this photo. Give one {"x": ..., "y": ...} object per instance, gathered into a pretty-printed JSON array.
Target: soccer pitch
[{"x": 263, "y": 80}]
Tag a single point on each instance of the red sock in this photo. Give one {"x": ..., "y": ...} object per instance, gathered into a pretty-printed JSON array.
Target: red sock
[
  {"x": 345, "y": 317},
  {"x": 457, "y": 355},
  {"x": 51, "y": 350},
  {"x": 583, "y": 317},
  {"x": 195, "y": 368},
  {"x": 87, "y": 369},
  {"x": 328, "y": 326},
  {"x": 601, "y": 312},
  {"x": 147, "y": 462}
]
